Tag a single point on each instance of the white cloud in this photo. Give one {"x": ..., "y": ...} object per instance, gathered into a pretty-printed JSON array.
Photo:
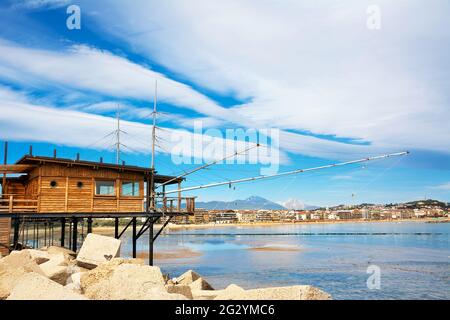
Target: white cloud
[
  {"x": 92, "y": 70},
  {"x": 307, "y": 66},
  {"x": 341, "y": 177},
  {"x": 444, "y": 186},
  {"x": 38, "y": 4},
  {"x": 89, "y": 69},
  {"x": 21, "y": 120}
]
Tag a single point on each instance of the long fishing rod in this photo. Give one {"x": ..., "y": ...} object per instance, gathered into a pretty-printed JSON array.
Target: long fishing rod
[
  {"x": 289, "y": 172},
  {"x": 208, "y": 165}
]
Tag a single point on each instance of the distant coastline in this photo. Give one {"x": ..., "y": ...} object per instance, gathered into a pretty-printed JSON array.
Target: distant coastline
[{"x": 110, "y": 229}]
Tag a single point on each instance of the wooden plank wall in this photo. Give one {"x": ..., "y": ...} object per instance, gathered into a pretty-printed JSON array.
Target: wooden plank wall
[
  {"x": 52, "y": 199},
  {"x": 16, "y": 188},
  {"x": 67, "y": 196},
  {"x": 79, "y": 199},
  {"x": 5, "y": 231}
]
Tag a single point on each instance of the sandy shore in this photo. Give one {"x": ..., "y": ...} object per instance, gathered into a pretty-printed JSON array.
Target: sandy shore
[
  {"x": 275, "y": 224},
  {"x": 171, "y": 254},
  {"x": 275, "y": 249},
  {"x": 110, "y": 230}
]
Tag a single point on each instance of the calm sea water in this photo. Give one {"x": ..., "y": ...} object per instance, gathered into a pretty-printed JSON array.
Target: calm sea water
[{"x": 414, "y": 257}]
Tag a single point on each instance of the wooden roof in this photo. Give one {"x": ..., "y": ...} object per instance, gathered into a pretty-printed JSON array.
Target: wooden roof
[{"x": 28, "y": 163}]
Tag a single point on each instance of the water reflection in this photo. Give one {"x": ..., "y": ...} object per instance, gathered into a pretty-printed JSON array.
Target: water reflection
[{"x": 414, "y": 257}]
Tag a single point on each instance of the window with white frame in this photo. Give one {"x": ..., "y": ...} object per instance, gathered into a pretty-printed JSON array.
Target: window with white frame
[
  {"x": 130, "y": 189},
  {"x": 105, "y": 188}
]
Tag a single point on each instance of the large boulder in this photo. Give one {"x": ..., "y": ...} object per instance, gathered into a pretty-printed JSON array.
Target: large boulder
[
  {"x": 68, "y": 254},
  {"x": 33, "y": 286},
  {"x": 74, "y": 268},
  {"x": 229, "y": 293},
  {"x": 104, "y": 271},
  {"x": 56, "y": 268},
  {"x": 72, "y": 287},
  {"x": 12, "y": 268},
  {"x": 97, "y": 249},
  {"x": 126, "y": 282},
  {"x": 224, "y": 294},
  {"x": 36, "y": 255},
  {"x": 276, "y": 293},
  {"x": 187, "y": 278},
  {"x": 200, "y": 284},
  {"x": 75, "y": 279},
  {"x": 179, "y": 289}
]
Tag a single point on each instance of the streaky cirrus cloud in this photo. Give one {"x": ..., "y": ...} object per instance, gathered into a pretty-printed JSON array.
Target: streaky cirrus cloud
[
  {"x": 22, "y": 120},
  {"x": 92, "y": 70},
  {"x": 314, "y": 67}
]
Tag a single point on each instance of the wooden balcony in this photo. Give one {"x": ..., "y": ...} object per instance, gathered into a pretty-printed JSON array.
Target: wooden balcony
[
  {"x": 175, "y": 204},
  {"x": 11, "y": 203}
]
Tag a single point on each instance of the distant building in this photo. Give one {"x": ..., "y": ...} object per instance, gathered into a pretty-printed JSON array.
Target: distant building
[
  {"x": 246, "y": 216},
  {"x": 224, "y": 217},
  {"x": 263, "y": 216}
]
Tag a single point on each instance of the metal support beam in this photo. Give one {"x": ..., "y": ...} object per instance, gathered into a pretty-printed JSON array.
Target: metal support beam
[
  {"x": 145, "y": 227},
  {"x": 162, "y": 229},
  {"x": 89, "y": 225},
  {"x": 116, "y": 228},
  {"x": 150, "y": 244},
  {"x": 63, "y": 232},
  {"x": 74, "y": 234},
  {"x": 134, "y": 237},
  {"x": 16, "y": 233},
  {"x": 142, "y": 230},
  {"x": 125, "y": 229}
]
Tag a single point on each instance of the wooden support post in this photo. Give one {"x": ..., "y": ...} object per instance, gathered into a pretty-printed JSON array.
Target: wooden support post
[
  {"x": 11, "y": 204},
  {"x": 152, "y": 191},
  {"x": 92, "y": 193},
  {"x": 148, "y": 195},
  {"x": 179, "y": 196},
  {"x": 89, "y": 227},
  {"x": 5, "y": 162},
  {"x": 16, "y": 232},
  {"x": 116, "y": 228},
  {"x": 74, "y": 234},
  {"x": 118, "y": 187},
  {"x": 63, "y": 231},
  {"x": 66, "y": 196},
  {"x": 134, "y": 238},
  {"x": 150, "y": 243}
]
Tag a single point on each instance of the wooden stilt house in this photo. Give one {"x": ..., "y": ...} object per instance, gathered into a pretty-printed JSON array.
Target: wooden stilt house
[{"x": 54, "y": 185}]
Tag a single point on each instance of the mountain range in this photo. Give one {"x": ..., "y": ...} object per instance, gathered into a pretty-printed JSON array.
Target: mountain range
[{"x": 251, "y": 203}]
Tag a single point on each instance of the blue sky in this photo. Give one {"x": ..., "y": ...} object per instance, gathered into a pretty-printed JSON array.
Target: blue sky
[{"x": 333, "y": 88}]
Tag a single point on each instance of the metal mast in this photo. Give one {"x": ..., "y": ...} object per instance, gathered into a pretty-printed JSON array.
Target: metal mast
[
  {"x": 289, "y": 172},
  {"x": 118, "y": 135},
  {"x": 155, "y": 101}
]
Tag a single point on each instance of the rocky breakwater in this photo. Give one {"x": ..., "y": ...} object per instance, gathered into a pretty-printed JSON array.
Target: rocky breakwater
[{"x": 98, "y": 273}]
